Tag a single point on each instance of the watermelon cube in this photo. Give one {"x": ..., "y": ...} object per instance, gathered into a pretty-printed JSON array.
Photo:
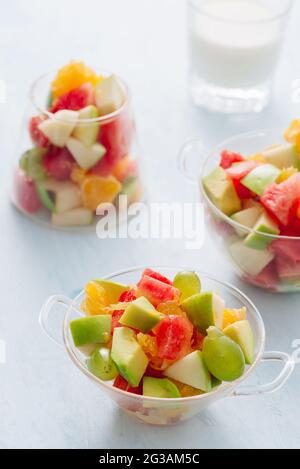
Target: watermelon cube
[
  {"x": 287, "y": 269},
  {"x": 267, "y": 278},
  {"x": 157, "y": 276},
  {"x": 228, "y": 158},
  {"x": 156, "y": 291},
  {"x": 238, "y": 172},
  {"x": 280, "y": 199},
  {"x": 288, "y": 248}
]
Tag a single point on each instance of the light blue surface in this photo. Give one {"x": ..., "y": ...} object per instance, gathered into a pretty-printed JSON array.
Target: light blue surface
[{"x": 44, "y": 400}]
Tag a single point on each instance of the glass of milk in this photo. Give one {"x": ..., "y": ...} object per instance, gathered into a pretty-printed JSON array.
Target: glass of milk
[{"x": 234, "y": 47}]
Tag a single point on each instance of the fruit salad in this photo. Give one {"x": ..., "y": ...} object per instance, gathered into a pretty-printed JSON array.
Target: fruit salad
[
  {"x": 260, "y": 197},
  {"x": 80, "y": 153},
  {"x": 162, "y": 338}
]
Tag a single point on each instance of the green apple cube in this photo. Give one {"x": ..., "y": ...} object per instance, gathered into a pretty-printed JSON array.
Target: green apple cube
[
  {"x": 188, "y": 283},
  {"x": 250, "y": 261},
  {"x": 160, "y": 387},
  {"x": 205, "y": 310},
  {"x": 247, "y": 217},
  {"x": 75, "y": 217},
  {"x": 86, "y": 157},
  {"x": 223, "y": 357},
  {"x": 66, "y": 194},
  {"x": 260, "y": 178},
  {"x": 191, "y": 370},
  {"x": 141, "y": 315},
  {"x": 109, "y": 95},
  {"x": 91, "y": 330},
  {"x": 265, "y": 224},
  {"x": 59, "y": 127},
  {"x": 32, "y": 164},
  {"x": 282, "y": 156},
  {"x": 221, "y": 192},
  {"x": 112, "y": 290},
  {"x": 101, "y": 365},
  {"x": 128, "y": 355},
  {"x": 87, "y": 133},
  {"x": 242, "y": 334}
]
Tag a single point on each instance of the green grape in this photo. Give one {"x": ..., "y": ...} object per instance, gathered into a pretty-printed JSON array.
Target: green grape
[
  {"x": 223, "y": 357},
  {"x": 188, "y": 283},
  {"x": 101, "y": 364}
]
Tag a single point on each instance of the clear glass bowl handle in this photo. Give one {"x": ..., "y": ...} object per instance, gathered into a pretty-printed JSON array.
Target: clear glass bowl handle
[
  {"x": 192, "y": 145},
  {"x": 48, "y": 307},
  {"x": 277, "y": 383}
]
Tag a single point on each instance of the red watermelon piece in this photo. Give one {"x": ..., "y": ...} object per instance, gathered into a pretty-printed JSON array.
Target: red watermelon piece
[
  {"x": 37, "y": 137},
  {"x": 267, "y": 278},
  {"x": 153, "y": 373},
  {"x": 280, "y": 200},
  {"x": 288, "y": 248},
  {"x": 122, "y": 384},
  {"x": 25, "y": 192},
  {"x": 236, "y": 173},
  {"x": 287, "y": 269},
  {"x": 157, "y": 276},
  {"x": 128, "y": 296},
  {"x": 228, "y": 158},
  {"x": 174, "y": 335},
  {"x": 75, "y": 99},
  {"x": 58, "y": 162},
  {"x": 115, "y": 319},
  {"x": 117, "y": 135},
  {"x": 156, "y": 291},
  {"x": 105, "y": 166}
]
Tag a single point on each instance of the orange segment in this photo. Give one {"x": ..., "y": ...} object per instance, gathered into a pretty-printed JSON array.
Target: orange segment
[
  {"x": 78, "y": 174},
  {"x": 94, "y": 302},
  {"x": 233, "y": 315},
  {"x": 293, "y": 131},
  {"x": 148, "y": 344},
  {"x": 71, "y": 77},
  {"x": 170, "y": 308},
  {"x": 186, "y": 390},
  {"x": 286, "y": 174},
  {"x": 258, "y": 157},
  {"x": 97, "y": 190}
]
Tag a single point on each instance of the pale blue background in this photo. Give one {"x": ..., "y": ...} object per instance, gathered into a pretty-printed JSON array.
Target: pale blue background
[{"x": 44, "y": 400}]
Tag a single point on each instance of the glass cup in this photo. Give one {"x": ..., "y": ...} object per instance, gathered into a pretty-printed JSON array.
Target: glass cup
[
  {"x": 234, "y": 47},
  {"x": 277, "y": 268},
  {"x": 61, "y": 183},
  {"x": 157, "y": 411}
]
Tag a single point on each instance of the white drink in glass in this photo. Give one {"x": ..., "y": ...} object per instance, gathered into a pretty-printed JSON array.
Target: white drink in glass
[{"x": 234, "y": 49}]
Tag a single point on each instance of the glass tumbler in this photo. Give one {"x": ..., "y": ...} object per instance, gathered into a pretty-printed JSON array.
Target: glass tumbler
[
  {"x": 72, "y": 159},
  {"x": 234, "y": 48}
]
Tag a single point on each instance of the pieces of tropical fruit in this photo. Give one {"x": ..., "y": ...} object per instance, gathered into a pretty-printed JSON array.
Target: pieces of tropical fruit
[
  {"x": 173, "y": 335},
  {"x": 233, "y": 315},
  {"x": 71, "y": 77},
  {"x": 188, "y": 283},
  {"x": 97, "y": 190},
  {"x": 223, "y": 357},
  {"x": 157, "y": 291}
]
